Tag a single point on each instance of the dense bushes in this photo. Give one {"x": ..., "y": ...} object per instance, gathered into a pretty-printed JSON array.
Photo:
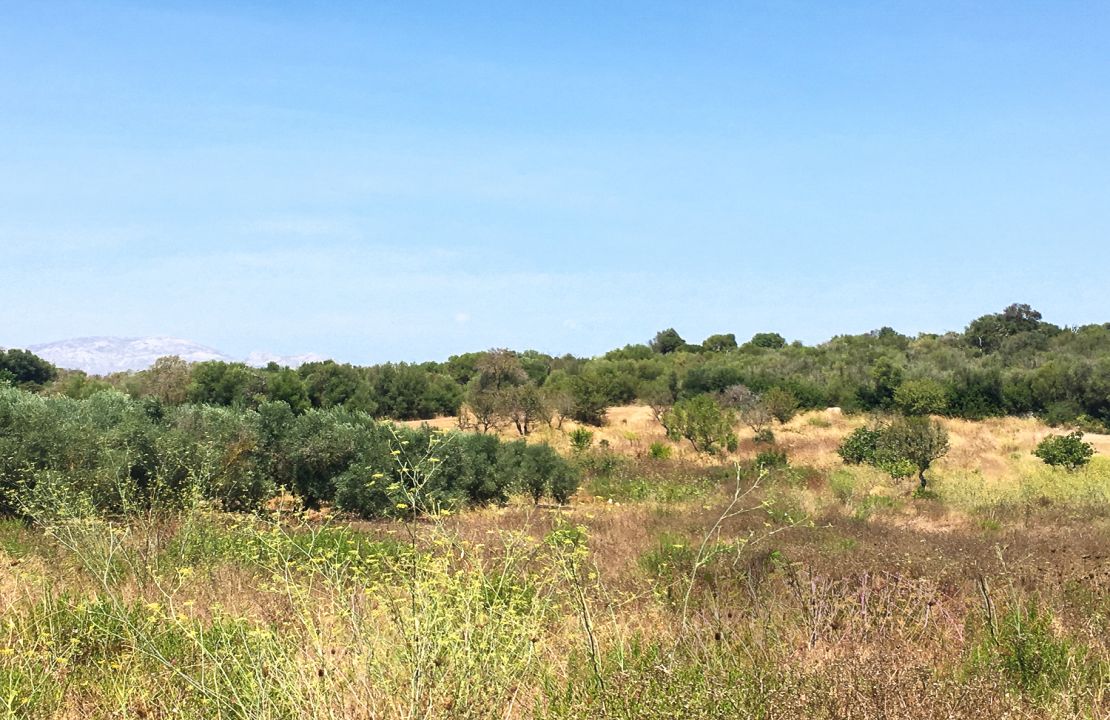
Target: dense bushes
[
  {"x": 1011, "y": 362},
  {"x": 112, "y": 454}
]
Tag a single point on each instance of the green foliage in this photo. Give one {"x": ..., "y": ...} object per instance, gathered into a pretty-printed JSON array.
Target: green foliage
[
  {"x": 285, "y": 385},
  {"x": 503, "y": 392},
  {"x": 660, "y": 451},
  {"x": 581, "y": 439},
  {"x": 539, "y": 471},
  {"x": 592, "y": 394},
  {"x": 894, "y": 465},
  {"x": 1025, "y": 649},
  {"x": 781, "y": 403},
  {"x": 110, "y": 454},
  {"x": 1088, "y": 424},
  {"x": 991, "y": 333},
  {"x": 25, "y": 369},
  {"x": 924, "y": 493},
  {"x": 843, "y": 485},
  {"x": 662, "y": 480},
  {"x": 703, "y": 422},
  {"x": 564, "y": 484},
  {"x": 214, "y": 452},
  {"x": 78, "y": 385},
  {"x": 860, "y": 446},
  {"x": 770, "y": 340},
  {"x": 916, "y": 441},
  {"x": 1010, "y": 362},
  {"x": 220, "y": 383},
  {"x": 764, "y": 436},
  {"x": 330, "y": 384},
  {"x": 886, "y": 375},
  {"x": 921, "y": 397},
  {"x": 720, "y": 343},
  {"x": 771, "y": 459},
  {"x": 667, "y": 341},
  {"x": 899, "y": 448},
  {"x": 1068, "y": 451},
  {"x": 671, "y": 560},
  {"x": 873, "y": 504}
]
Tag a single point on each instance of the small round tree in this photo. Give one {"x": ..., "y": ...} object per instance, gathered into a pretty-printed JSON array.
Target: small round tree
[
  {"x": 919, "y": 440},
  {"x": 703, "y": 422},
  {"x": 1067, "y": 451},
  {"x": 900, "y": 447},
  {"x": 781, "y": 403}
]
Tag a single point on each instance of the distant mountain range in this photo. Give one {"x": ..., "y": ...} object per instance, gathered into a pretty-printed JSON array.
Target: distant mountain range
[{"x": 106, "y": 355}]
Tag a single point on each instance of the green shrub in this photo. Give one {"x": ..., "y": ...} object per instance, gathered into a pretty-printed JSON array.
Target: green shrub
[
  {"x": 564, "y": 484},
  {"x": 860, "y": 446},
  {"x": 781, "y": 403},
  {"x": 480, "y": 479},
  {"x": 671, "y": 558},
  {"x": 401, "y": 470},
  {"x": 843, "y": 485},
  {"x": 872, "y": 504},
  {"x": 215, "y": 452},
  {"x": 539, "y": 471},
  {"x": 660, "y": 451},
  {"x": 764, "y": 436},
  {"x": 703, "y": 422},
  {"x": 921, "y": 397},
  {"x": 924, "y": 493},
  {"x": 581, "y": 439},
  {"x": 1068, "y": 451},
  {"x": 1088, "y": 424},
  {"x": 1061, "y": 412},
  {"x": 770, "y": 459},
  {"x": 1024, "y": 649}
]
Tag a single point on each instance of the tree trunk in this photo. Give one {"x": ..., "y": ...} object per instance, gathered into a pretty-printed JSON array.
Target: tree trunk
[{"x": 921, "y": 476}]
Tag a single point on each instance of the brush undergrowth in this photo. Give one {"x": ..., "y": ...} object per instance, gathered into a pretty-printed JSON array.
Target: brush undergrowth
[{"x": 724, "y": 609}]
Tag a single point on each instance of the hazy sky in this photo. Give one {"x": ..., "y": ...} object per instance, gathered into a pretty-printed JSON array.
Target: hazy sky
[{"x": 404, "y": 181}]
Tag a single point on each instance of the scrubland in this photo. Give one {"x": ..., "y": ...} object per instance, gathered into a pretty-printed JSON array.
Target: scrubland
[{"x": 671, "y": 587}]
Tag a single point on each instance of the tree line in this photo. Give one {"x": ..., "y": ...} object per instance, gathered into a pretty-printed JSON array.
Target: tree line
[{"x": 1008, "y": 363}]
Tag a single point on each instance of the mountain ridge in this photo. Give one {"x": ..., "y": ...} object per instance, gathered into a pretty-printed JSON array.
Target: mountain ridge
[{"x": 104, "y": 355}]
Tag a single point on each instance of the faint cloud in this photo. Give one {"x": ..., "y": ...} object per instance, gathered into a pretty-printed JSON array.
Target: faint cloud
[{"x": 462, "y": 318}]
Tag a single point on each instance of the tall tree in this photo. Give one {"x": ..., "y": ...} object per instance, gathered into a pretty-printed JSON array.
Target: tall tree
[
  {"x": 667, "y": 341},
  {"x": 24, "y": 368}
]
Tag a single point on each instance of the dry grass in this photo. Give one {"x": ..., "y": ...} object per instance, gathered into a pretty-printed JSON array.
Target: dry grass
[{"x": 832, "y": 594}]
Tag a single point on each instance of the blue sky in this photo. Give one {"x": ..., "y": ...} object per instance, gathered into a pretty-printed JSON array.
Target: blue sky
[{"x": 405, "y": 181}]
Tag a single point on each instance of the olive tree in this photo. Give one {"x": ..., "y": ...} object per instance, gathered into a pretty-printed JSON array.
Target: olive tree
[
  {"x": 900, "y": 447},
  {"x": 918, "y": 440},
  {"x": 703, "y": 422}
]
